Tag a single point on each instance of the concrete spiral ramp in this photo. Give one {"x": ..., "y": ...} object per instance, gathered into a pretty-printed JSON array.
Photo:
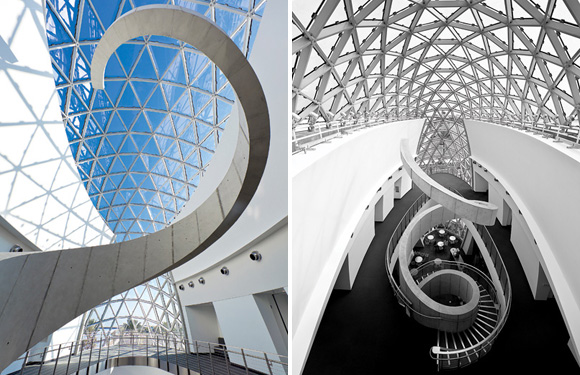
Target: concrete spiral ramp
[{"x": 42, "y": 291}]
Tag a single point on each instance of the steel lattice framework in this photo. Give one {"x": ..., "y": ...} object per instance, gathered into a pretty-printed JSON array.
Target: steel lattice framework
[{"x": 513, "y": 62}]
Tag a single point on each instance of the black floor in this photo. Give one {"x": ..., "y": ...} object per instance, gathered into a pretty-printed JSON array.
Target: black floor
[{"x": 365, "y": 331}]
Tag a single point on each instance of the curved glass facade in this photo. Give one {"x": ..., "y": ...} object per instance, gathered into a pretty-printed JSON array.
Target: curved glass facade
[{"x": 142, "y": 144}]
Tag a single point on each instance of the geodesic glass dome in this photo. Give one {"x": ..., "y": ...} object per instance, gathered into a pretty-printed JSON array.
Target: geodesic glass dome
[
  {"x": 142, "y": 144},
  {"x": 503, "y": 61}
]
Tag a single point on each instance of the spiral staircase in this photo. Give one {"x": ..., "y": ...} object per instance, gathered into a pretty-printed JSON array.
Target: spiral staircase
[
  {"x": 454, "y": 350},
  {"x": 460, "y": 349}
]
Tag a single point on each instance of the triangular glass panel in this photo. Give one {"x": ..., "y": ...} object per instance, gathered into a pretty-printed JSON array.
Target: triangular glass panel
[
  {"x": 55, "y": 31},
  {"x": 128, "y": 54},
  {"x": 156, "y": 101},
  {"x": 90, "y": 26},
  {"x": 144, "y": 68},
  {"x": 163, "y": 56},
  {"x": 176, "y": 72},
  {"x": 183, "y": 106}
]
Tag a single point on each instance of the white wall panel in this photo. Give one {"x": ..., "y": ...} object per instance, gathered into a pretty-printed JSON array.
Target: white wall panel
[
  {"x": 331, "y": 188},
  {"x": 542, "y": 178}
]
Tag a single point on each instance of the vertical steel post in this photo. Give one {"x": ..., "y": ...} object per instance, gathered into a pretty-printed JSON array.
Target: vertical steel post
[
  {"x": 210, "y": 358},
  {"x": 90, "y": 357},
  {"x": 176, "y": 357},
  {"x": 245, "y": 363},
  {"x": 24, "y": 362},
  {"x": 56, "y": 361},
  {"x": 42, "y": 360},
  {"x": 187, "y": 355},
  {"x": 80, "y": 358},
  {"x": 107, "y": 356},
  {"x": 268, "y": 363},
  {"x": 198, "y": 360},
  {"x": 69, "y": 357}
]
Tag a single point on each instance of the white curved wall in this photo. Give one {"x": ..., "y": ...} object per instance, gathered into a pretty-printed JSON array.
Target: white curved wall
[
  {"x": 234, "y": 304},
  {"x": 270, "y": 203},
  {"x": 331, "y": 188},
  {"x": 543, "y": 179}
]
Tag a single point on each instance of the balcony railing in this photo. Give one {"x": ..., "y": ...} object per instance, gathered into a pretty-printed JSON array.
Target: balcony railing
[
  {"x": 169, "y": 353},
  {"x": 306, "y": 136}
]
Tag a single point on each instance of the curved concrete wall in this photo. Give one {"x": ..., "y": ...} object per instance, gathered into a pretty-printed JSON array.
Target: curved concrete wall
[
  {"x": 457, "y": 283},
  {"x": 543, "y": 179},
  {"x": 331, "y": 188},
  {"x": 476, "y": 211},
  {"x": 445, "y": 318}
]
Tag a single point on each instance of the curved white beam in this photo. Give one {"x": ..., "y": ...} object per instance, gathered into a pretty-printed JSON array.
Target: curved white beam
[
  {"x": 40, "y": 292},
  {"x": 476, "y": 211}
]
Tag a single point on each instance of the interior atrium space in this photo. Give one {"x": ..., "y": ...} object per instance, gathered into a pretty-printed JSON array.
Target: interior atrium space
[
  {"x": 144, "y": 191},
  {"x": 435, "y": 170}
]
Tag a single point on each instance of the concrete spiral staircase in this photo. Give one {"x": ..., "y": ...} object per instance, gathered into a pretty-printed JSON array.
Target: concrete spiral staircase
[{"x": 481, "y": 330}]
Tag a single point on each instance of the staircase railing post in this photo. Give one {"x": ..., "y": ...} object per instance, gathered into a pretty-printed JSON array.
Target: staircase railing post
[
  {"x": 245, "y": 362},
  {"x": 42, "y": 360},
  {"x": 69, "y": 357},
  {"x": 167, "y": 352},
  {"x": 158, "y": 357},
  {"x": 210, "y": 358},
  {"x": 268, "y": 363},
  {"x": 24, "y": 362},
  {"x": 90, "y": 356},
  {"x": 176, "y": 356},
  {"x": 99, "y": 358},
  {"x": 187, "y": 355},
  {"x": 107, "y": 356},
  {"x": 198, "y": 360},
  {"x": 227, "y": 360},
  {"x": 57, "y": 357},
  {"x": 80, "y": 357}
]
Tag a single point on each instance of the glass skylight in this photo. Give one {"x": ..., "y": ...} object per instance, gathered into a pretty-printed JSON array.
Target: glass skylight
[
  {"x": 512, "y": 62},
  {"x": 143, "y": 143}
]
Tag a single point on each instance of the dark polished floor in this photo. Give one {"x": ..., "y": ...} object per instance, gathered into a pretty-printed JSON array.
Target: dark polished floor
[{"x": 365, "y": 331}]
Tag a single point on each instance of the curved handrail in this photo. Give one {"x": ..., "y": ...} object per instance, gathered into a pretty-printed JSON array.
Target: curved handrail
[
  {"x": 447, "y": 264},
  {"x": 489, "y": 340},
  {"x": 472, "y": 210},
  {"x": 405, "y": 302},
  {"x": 399, "y": 229}
]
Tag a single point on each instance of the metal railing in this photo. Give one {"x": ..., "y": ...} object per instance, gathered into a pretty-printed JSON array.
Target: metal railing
[
  {"x": 475, "y": 273},
  {"x": 479, "y": 349},
  {"x": 174, "y": 354},
  {"x": 392, "y": 244},
  {"x": 559, "y": 133},
  {"x": 306, "y": 136},
  {"x": 451, "y": 358}
]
